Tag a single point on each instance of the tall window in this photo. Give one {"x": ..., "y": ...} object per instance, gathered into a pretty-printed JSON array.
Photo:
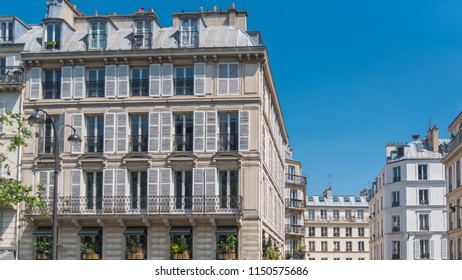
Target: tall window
[
  {"x": 53, "y": 36},
  {"x": 396, "y": 253},
  {"x": 140, "y": 82},
  {"x": 423, "y": 222},
  {"x": 228, "y": 137},
  {"x": 228, "y": 188},
  {"x": 290, "y": 173},
  {"x": 347, "y": 214},
  {"x": 311, "y": 214},
  {"x": 396, "y": 174},
  {"x": 189, "y": 33},
  {"x": 336, "y": 246},
  {"x": 396, "y": 224},
  {"x": 361, "y": 246},
  {"x": 425, "y": 249},
  {"x": 336, "y": 231},
  {"x": 183, "y": 132},
  {"x": 361, "y": 231},
  {"x": 336, "y": 214},
  {"x": 47, "y": 141},
  {"x": 138, "y": 189},
  {"x": 324, "y": 246},
  {"x": 95, "y": 134},
  {"x": 6, "y": 32},
  {"x": 422, "y": 168},
  {"x": 183, "y": 189},
  {"x": 228, "y": 78},
  {"x": 95, "y": 84},
  {"x": 311, "y": 231},
  {"x": 323, "y": 214},
  {"x": 450, "y": 178},
  {"x": 184, "y": 81},
  {"x": 394, "y": 199},
  {"x": 349, "y": 246},
  {"x": 52, "y": 84},
  {"x": 94, "y": 190},
  {"x": 139, "y": 131},
  {"x": 311, "y": 246},
  {"x": 348, "y": 232},
  {"x": 142, "y": 35},
  {"x": 423, "y": 197},
  {"x": 324, "y": 231},
  {"x": 360, "y": 214},
  {"x": 98, "y": 36}
]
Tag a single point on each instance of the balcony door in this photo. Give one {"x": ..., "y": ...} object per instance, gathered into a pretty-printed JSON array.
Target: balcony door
[
  {"x": 138, "y": 189},
  {"x": 183, "y": 132},
  {"x": 98, "y": 36},
  {"x": 52, "y": 84},
  {"x": 189, "y": 33},
  {"x": 228, "y": 137},
  {"x": 95, "y": 134},
  {"x": 142, "y": 36},
  {"x": 228, "y": 189},
  {"x": 48, "y": 136},
  {"x": 96, "y": 83},
  {"x": 139, "y": 133},
  {"x": 140, "y": 82},
  {"x": 183, "y": 189},
  {"x": 184, "y": 81},
  {"x": 94, "y": 190}
]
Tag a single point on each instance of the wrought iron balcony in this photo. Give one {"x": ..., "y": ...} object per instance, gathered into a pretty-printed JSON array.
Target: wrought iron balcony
[
  {"x": 395, "y": 204},
  {"x": 139, "y": 143},
  {"x": 141, "y": 40},
  {"x": 95, "y": 88},
  {"x": 455, "y": 141},
  {"x": 11, "y": 75},
  {"x": 295, "y": 203},
  {"x": 140, "y": 87},
  {"x": 184, "y": 86},
  {"x": 295, "y": 179},
  {"x": 228, "y": 142},
  {"x": 396, "y": 179},
  {"x": 395, "y": 229},
  {"x": 189, "y": 39},
  {"x": 46, "y": 145},
  {"x": 52, "y": 45},
  {"x": 295, "y": 229},
  {"x": 51, "y": 90},
  {"x": 423, "y": 202},
  {"x": 425, "y": 256},
  {"x": 183, "y": 142},
  {"x": 84, "y": 205},
  {"x": 395, "y": 257},
  {"x": 94, "y": 144},
  {"x": 424, "y": 228}
]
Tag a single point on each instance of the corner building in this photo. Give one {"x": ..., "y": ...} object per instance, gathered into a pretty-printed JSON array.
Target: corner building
[{"x": 183, "y": 134}]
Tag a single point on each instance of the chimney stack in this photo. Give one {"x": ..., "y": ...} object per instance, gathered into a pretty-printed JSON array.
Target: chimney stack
[
  {"x": 390, "y": 148},
  {"x": 415, "y": 137},
  {"x": 327, "y": 192},
  {"x": 432, "y": 139},
  {"x": 96, "y": 13},
  {"x": 214, "y": 9}
]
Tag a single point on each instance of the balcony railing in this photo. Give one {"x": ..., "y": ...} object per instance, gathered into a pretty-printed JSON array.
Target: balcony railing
[
  {"x": 295, "y": 229},
  {"x": 139, "y": 143},
  {"x": 140, "y": 87},
  {"x": 189, "y": 39},
  {"x": 95, "y": 88},
  {"x": 84, "y": 205},
  {"x": 97, "y": 40},
  {"x": 46, "y": 145},
  {"x": 141, "y": 40},
  {"x": 424, "y": 255},
  {"x": 183, "y": 142},
  {"x": 423, "y": 202},
  {"x": 295, "y": 203},
  {"x": 228, "y": 142},
  {"x": 51, "y": 90},
  {"x": 395, "y": 257},
  {"x": 396, "y": 179},
  {"x": 11, "y": 75},
  {"x": 395, "y": 229},
  {"x": 184, "y": 86},
  {"x": 455, "y": 141},
  {"x": 295, "y": 179},
  {"x": 395, "y": 204},
  {"x": 94, "y": 144},
  {"x": 424, "y": 228}
]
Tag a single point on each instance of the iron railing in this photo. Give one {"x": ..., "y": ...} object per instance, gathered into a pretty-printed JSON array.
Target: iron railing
[
  {"x": 228, "y": 142},
  {"x": 97, "y": 41},
  {"x": 139, "y": 143},
  {"x": 295, "y": 229},
  {"x": 295, "y": 203},
  {"x": 424, "y": 228},
  {"x": 184, "y": 86},
  {"x": 395, "y": 204},
  {"x": 141, "y": 40},
  {"x": 395, "y": 229},
  {"x": 395, "y": 257},
  {"x": 295, "y": 179},
  {"x": 95, "y": 88},
  {"x": 455, "y": 141},
  {"x": 11, "y": 75},
  {"x": 424, "y": 255},
  {"x": 423, "y": 202},
  {"x": 83, "y": 205},
  {"x": 52, "y": 45},
  {"x": 183, "y": 142},
  {"x": 46, "y": 145},
  {"x": 189, "y": 39},
  {"x": 51, "y": 90},
  {"x": 139, "y": 87},
  {"x": 94, "y": 144}
]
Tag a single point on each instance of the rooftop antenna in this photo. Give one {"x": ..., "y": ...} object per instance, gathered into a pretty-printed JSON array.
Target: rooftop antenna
[
  {"x": 430, "y": 122},
  {"x": 330, "y": 176}
]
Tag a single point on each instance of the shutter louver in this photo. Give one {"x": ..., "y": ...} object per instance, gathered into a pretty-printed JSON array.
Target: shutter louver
[
  {"x": 263, "y": 143},
  {"x": 66, "y": 82},
  {"x": 109, "y": 132},
  {"x": 60, "y": 124},
  {"x": 165, "y": 181},
  {"x": 432, "y": 249},
  {"x": 167, "y": 79},
  {"x": 77, "y": 123},
  {"x": 110, "y": 81},
  {"x": 35, "y": 83},
  {"x": 154, "y": 80},
  {"x": 121, "y": 175},
  {"x": 199, "y": 131},
  {"x": 76, "y": 177},
  {"x": 210, "y": 181},
  {"x": 153, "y": 182},
  {"x": 108, "y": 189},
  {"x": 198, "y": 181},
  {"x": 166, "y": 132},
  {"x": 122, "y": 119},
  {"x": 211, "y": 134},
  {"x": 154, "y": 132},
  {"x": 244, "y": 122},
  {"x": 79, "y": 82},
  {"x": 123, "y": 81},
  {"x": 2, "y": 113},
  {"x": 233, "y": 78},
  {"x": 222, "y": 78},
  {"x": 46, "y": 179},
  {"x": 444, "y": 249},
  {"x": 199, "y": 79},
  {"x": 416, "y": 249}
]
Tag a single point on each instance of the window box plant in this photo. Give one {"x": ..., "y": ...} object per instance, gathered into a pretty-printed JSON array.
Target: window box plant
[
  {"x": 227, "y": 248},
  {"x": 175, "y": 251},
  {"x": 89, "y": 251},
  {"x": 180, "y": 250},
  {"x": 135, "y": 250},
  {"x": 43, "y": 247}
]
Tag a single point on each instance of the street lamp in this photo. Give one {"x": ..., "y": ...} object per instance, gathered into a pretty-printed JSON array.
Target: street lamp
[{"x": 39, "y": 118}]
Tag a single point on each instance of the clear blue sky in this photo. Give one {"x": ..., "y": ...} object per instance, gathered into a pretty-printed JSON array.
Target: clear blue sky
[{"x": 351, "y": 75}]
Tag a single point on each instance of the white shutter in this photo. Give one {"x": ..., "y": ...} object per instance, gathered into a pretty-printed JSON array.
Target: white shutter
[
  {"x": 199, "y": 131},
  {"x": 66, "y": 82},
  {"x": 233, "y": 82},
  {"x": 109, "y": 132},
  {"x": 76, "y": 182},
  {"x": 2, "y": 113},
  {"x": 198, "y": 181},
  {"x": 263, "y": 143},
  {"x": 211, "y": 134},
  {"x": 153, "y": 181},
  {"x": 77, "y": 123},
  {"x": 165, "y": 181},
  {"x": 199, "y": 79},
  {"x": 244, "y": 123},
  {"x": 46, "y": 178},
  {"x": 121, "y": 140},
  {"x": 108, "y": 189},
  {"x": 444, "y": 249},
  {"x": 154, "y": 132},
  {"x": 62, "y": 140},
  {"x": 121, "y": 180},
  {"x": 110, "y": 81},
  {"x": 211, "y": 181},
  {"x": 223, "y": 78},
  {"x": 432, "y": 249},
  {"x": 416, "y": 249},
  {"x": 35, "y": 83},
  {"x": 10, "y": 60},
  {"x": 79, "y": 82},
  {"x": 123, "y": 81},
  {"x": 166, "y": 132},
  {"x": 167, "y": 79},
  {"x": 154, "y": 80}
]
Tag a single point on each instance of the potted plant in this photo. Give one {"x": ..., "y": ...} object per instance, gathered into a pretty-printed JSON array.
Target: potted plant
[
  {"x": 230, "y": 242},
  {"x": 183, "y": 243},
  {"x": 221, "y": 250},
  {"x": 135, "y": 250},
  {"x": 43, "y": 247},
  {"x": 174, "y": 250},
  {"x": 89, "y": 251}
]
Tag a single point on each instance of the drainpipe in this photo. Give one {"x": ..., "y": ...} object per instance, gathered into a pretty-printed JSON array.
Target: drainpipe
[{"x": 18, "y": 178}]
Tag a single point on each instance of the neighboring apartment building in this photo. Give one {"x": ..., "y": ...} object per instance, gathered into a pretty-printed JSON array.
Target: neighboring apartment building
[
  {"x": 453, "y": 163},
  {"x": 184, "y": 138},
  {"x": 11, "y": 89},
  {"x": 336, "y": 227},
  {"x": 294, "y": 208},
  {"x": 408, "y": 204}
]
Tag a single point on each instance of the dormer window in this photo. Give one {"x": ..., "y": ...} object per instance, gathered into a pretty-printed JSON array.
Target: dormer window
[
  {"x": 142, "y": 35},
  {"x": 189, "y": 33},
  {"x": 98, "y": 36},
  {"x": 6, "y": 32},
  {"x": 53, "y": 41}
]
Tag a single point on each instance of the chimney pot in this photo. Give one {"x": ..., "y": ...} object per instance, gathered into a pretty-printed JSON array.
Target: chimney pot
[
  {"x": 233, "y": 6},
  {"x": 415, "y": 136},
  {"x": 201, "y": 9},
  {"x": 215, "y": 9},
  {"x": 96, "y": 13},
  {"x": 151, "y": 10}
]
